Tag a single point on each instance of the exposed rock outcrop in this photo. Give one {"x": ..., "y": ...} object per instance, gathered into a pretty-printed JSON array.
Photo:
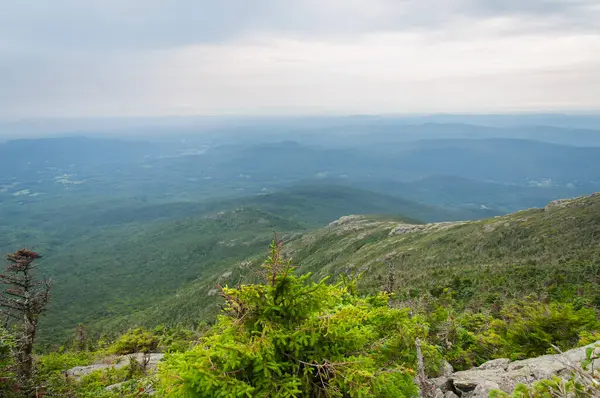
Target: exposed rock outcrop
[
  {"x": 572, "y": 202},
  {"x": 502, "y": 374},
  {"x": 404, "y": 228},
  {"x": 344, "y": 220},
  {"x": 117, "y": 363}
]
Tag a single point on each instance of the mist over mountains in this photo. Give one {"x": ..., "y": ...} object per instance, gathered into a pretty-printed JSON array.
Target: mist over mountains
[{"x": 415, "y": 161}]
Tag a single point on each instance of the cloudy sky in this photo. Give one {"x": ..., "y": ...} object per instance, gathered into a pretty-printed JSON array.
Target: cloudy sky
[{"x": 64, "y": 58}]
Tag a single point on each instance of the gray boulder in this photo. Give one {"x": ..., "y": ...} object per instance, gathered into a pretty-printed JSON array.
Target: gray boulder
[
  {"x": 80, "y": 371},
  {"x": 447, "y": 369},
  {"x": 119, "y": 362},
  {"x": 501, "y": 374},
  {"x": 482, "y": 390},
  {"x": 443, "y": 383},
  {"x": 500, "y": 363}
]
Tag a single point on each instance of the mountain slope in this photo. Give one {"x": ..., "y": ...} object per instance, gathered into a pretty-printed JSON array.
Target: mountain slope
[
  {"x": 122, "y": 270},
  {"x": 553, "y": 252},
  {"x": 543, "y": 251}
]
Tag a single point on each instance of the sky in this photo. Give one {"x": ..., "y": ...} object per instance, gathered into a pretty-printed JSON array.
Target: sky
[{"x": 95, "y": 58}]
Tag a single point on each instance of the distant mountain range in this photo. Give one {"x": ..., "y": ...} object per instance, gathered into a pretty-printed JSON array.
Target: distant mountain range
[
  {"x": 155, "y": 126},
  {"x": 499, "y": 174}
]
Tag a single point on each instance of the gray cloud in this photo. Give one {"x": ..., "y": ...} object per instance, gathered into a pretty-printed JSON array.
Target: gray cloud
[
  {"x": 124, "y": 24},
  {"x": 144, "y": 24},
  {"x": 579, "y": 15},
  {"x": 81, "y": 57}
]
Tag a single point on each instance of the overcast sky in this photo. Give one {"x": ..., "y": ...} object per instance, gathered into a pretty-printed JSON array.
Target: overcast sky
[{"x": 64, "y": 58}]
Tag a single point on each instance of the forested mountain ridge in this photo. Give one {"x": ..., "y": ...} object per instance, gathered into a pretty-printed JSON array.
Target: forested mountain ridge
[
  {"x": 547, "y": 253},
  {"x": 110, "y": 261},
  {"x": 552, "y": 251}
]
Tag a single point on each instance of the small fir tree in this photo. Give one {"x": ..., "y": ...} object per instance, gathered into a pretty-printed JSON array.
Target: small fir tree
[{"x": 290, "y": 337}]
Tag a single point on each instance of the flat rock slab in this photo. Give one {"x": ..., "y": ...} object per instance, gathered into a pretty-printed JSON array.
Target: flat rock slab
[
  {"x": 502, "y": 374},
  {"x": 122, "y": 361}
]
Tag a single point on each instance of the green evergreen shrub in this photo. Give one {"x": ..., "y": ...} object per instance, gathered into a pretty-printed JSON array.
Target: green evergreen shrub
[
  {"x": 178, "y": 338},
  {"x": 521, "y": 329},
  {"x": 532, "y": 328},
  {"x": 135, "y": 340},
  {"x": 290, "y": 337}
]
